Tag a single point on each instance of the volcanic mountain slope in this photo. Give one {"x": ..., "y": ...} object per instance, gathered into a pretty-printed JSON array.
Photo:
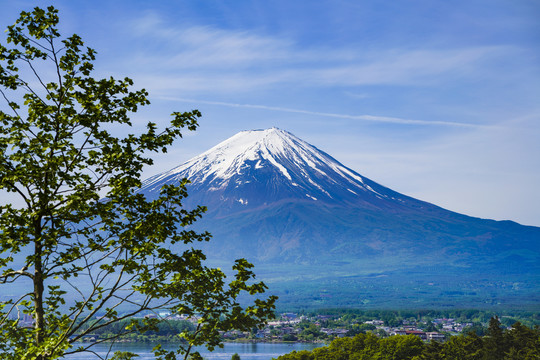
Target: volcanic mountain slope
[{"x": 274, "y": 198}]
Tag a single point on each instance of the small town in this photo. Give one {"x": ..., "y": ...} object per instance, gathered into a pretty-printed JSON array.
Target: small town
[{"x": 292, "y": 327}]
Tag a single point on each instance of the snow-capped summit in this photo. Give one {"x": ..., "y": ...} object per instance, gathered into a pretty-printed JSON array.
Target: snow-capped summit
[{"x": 268, "y": 157}]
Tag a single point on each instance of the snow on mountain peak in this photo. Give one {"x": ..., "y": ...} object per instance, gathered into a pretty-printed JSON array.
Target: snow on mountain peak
[{"x": 297, "y": 162}]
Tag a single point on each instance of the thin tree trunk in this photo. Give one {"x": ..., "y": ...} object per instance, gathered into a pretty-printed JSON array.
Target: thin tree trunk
[{"x": 38, "y": 290}]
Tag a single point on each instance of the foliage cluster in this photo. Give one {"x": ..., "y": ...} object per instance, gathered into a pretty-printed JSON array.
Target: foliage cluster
[
  {"x": 86, "y": 249},
  {"x": 517, "y": 343}
]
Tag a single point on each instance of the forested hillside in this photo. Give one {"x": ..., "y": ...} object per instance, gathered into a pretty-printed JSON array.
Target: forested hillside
[{"x": 516, "y": 343}]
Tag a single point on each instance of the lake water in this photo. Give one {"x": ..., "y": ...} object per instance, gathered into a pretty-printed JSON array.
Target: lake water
[{"x": 247, "y": 351}]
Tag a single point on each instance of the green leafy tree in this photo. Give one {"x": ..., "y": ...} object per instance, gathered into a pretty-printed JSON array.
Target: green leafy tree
[
  {"x": 477, "y": 328},
  {"x": 519, "y": 342},
  {"x": 432, "y": 351},
  {"x": 463, "y": 347},
  {"x": 430, "y": 327},
  {"x": 522, "y": 343},
  {"x": 399, "y": 347},
  {"x": 86, "y": 249},
  {"x": 298, "y": 355},
  {"x": 311, "y": 332},
  {"x": 364, "y": 347},
  {"x": 235, "y": 357},
  {"x": 360, "y": 328},
  {"x": 494, "y": 340}
]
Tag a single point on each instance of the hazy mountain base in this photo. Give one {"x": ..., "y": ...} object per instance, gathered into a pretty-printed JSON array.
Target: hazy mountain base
[
  {"x": 411, "y": 289},
  {"x": 396, "y": 266},
  {"x": 310, "y": 287},
  {"x": 404, "y": 280},
  {"x": 400, "y": 292}
]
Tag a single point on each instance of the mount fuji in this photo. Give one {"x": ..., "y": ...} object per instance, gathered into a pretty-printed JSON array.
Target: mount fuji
[{"x": 322, "y": 234}]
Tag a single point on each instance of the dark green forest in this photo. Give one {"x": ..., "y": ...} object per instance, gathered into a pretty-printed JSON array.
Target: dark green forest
[{"x": 516, "y": 343}]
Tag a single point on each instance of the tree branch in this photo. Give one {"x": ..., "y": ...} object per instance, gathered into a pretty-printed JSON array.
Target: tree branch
[{"x": 15, "y": 275}]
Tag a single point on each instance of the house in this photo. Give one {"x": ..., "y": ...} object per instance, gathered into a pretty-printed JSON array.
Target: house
[
  {"x": 289, "y": 316},
  {"x": 335, "y": 332},
  {"x": 435, "y": 336},
  {"x": 375, "y": 322},
  {"x": 422, "y": 335}
]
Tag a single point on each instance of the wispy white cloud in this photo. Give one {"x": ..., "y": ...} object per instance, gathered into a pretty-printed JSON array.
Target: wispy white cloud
[
  {"x": 401, "y": 67},
  {"x": 355, "y": 95},
  {"x": 205, "y": 46},
  {"x": 222, "y": 60},
  {"x": 371, "y": 118},
  {"x": 214, "y": 71}
]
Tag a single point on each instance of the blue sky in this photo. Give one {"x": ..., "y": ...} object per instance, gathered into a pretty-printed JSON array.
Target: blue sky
[{"x": 439, "y": 100}]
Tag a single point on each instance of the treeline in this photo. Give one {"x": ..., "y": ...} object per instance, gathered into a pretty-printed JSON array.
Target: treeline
[
  {"x": 394, "y": 317},
  {"x": 162, "y": 330},
  {"x": 518, "y": 343}
]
